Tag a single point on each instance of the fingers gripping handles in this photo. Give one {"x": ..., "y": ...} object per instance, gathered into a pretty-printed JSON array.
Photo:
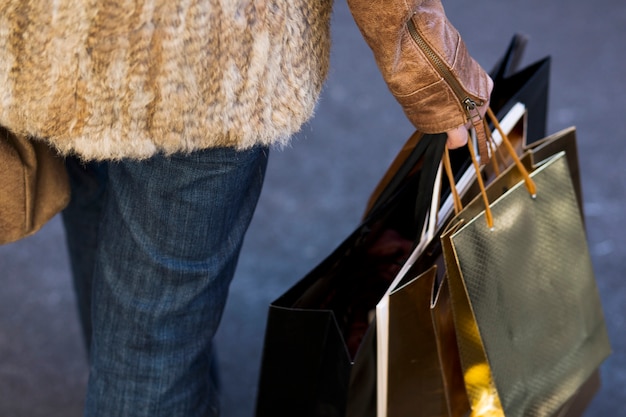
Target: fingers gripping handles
[{"x": 530, "y": 184}]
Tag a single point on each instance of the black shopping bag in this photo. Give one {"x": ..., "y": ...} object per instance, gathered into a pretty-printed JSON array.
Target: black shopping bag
[{"x": 319, "y": 356}]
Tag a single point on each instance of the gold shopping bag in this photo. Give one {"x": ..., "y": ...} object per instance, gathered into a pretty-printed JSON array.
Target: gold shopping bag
[
  {"x": 418, "y": 367},
  {"x": 424, "y": 372},
  {"x": 529, "y": 323}
]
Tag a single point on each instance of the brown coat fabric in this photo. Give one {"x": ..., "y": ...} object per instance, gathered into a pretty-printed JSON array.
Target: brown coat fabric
[
  {"x": 130, "y": 78},
  {"x": 34, "y": 186}
]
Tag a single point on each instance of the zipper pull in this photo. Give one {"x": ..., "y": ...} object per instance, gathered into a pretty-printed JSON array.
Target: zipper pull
[{"x": 471, "y": 108}]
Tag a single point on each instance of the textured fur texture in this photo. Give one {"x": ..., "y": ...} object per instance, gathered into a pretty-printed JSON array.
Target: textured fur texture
[{"x": 130, "y": 78}]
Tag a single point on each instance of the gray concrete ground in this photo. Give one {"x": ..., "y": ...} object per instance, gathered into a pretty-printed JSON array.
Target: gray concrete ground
[{"x": 316, "y": 190}]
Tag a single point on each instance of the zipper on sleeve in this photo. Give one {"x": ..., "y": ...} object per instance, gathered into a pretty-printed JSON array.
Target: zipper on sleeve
[{"x": 469, "y": 104}]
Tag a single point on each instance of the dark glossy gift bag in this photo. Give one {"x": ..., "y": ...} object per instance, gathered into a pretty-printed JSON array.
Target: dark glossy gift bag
[{"x": 319, "y": 357}]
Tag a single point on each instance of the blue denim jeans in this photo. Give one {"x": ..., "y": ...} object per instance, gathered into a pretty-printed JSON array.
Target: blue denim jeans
[{"x": 153, "y": 247}]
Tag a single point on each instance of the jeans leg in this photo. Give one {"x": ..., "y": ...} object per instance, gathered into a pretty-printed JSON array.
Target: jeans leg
[
  {"x": 169, "y": 240},
  {"x": 81, "y": 219}
]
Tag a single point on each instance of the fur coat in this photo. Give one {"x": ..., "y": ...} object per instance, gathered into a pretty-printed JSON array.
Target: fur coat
[{"x": 130, "y": 78}]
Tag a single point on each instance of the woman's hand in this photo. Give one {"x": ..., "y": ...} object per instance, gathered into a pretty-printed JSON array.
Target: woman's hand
[{"x": 457, "y": 137}]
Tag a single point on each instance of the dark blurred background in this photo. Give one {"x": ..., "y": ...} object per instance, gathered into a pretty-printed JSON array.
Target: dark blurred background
[{"x": 316, "y": 190}]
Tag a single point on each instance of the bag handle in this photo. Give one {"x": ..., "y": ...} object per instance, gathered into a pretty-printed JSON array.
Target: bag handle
[
  {"x": 530, "y": 184},
  {"x": 456, "y": 199}
]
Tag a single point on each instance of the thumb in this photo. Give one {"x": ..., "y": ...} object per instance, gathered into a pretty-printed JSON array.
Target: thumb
[{"x": 457, "y": 137}]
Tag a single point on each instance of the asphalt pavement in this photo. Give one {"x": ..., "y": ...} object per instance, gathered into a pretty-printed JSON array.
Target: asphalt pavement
[{"x": 316, "y": 190}]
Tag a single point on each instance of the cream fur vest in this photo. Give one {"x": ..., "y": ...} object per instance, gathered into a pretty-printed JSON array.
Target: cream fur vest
[{"x": 130, "y": 78}]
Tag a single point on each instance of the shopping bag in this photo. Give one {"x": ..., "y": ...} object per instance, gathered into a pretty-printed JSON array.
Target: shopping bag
[
  {"x": 577, "y": 404},
  {"x": 422, "y": 350},
  {"x": 319, "y": 356},
  {"x": 418, "y": 370},
  {"x": 527, "y": 314},
  {"x": 424, "y": 375}
]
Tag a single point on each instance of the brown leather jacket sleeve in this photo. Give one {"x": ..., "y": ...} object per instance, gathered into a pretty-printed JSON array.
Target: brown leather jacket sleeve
[{"x": 427, "y": 97}]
